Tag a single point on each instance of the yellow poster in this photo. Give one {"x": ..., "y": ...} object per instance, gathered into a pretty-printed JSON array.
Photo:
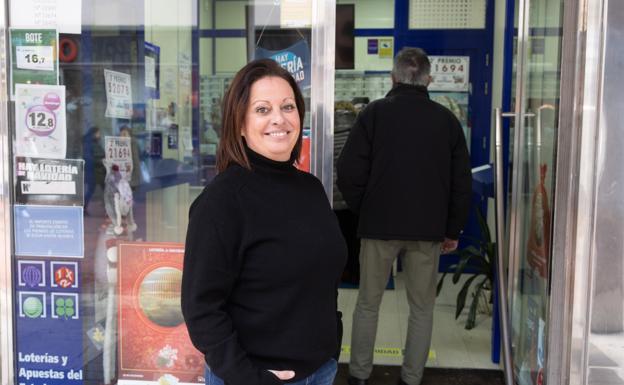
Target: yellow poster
[{"x": 386, "y": 48}]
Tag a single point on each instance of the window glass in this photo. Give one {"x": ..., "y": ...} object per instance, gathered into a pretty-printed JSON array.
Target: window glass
[{"x": 115, "y": 127}]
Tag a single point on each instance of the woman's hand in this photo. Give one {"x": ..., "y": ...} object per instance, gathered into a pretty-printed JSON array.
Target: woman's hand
[{"x": 283, "y": 374}]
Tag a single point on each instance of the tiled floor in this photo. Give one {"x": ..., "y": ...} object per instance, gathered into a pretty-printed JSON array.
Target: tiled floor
[
  {"x": 606, "y": 359},
  {"x": 452, "y": 346}
]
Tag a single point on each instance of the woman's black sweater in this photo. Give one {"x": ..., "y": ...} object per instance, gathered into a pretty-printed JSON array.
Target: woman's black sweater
[{"x": 264, "y": 254}]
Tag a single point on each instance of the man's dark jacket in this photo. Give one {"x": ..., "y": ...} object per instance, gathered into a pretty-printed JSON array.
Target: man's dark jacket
[{"x": 405, "y": 169}]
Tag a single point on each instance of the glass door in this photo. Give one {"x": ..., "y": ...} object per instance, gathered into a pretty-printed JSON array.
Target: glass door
[
  {"x": 537, "y": 73},
  {"x": 114, "y": 124}
]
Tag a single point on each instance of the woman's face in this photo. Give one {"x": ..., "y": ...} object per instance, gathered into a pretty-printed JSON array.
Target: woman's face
[{"x": 272, "y": 121}]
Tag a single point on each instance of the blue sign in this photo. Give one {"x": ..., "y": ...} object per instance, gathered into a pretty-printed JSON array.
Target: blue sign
[
  {"x": 48, "y": 327},
  {"x": 55, "y": 231},
  {"x": 152, "y": 70},
  {"x": 295, "y": 59},
  {"x": 373, "y": 46}
]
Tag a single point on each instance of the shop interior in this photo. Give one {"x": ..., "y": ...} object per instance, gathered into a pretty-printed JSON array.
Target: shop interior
[{"x": 194, "y": 49}]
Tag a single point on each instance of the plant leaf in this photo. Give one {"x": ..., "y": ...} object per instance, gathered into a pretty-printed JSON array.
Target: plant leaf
[
  {"x": 471, "y": 253},
  {"x": 472, "y": 313},
  {"x": 460, "y": 267},
  {"x": 461, "y": 296},
  {"x": 485, "y": 229},
  {"x": 472, "y": 250},
  {"x": 440, "y": 282}
]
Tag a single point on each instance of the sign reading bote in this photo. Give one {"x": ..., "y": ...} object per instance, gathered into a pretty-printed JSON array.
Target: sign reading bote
[{"x": 34, "y": 57}]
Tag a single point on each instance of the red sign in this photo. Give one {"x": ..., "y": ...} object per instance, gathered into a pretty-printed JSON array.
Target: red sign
[
  {"x": 303, "y": 163},
  {"x": 154, "y": 345},
  {"x": 538, "y": 244},
  {"x": 64, "y": 277}
]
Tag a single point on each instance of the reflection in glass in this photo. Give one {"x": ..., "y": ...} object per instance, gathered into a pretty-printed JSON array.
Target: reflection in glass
[{"x": 533, "y": 187}]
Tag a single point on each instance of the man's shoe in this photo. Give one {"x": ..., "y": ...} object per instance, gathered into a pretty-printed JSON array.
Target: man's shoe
[{"x": 356, "y": 381}]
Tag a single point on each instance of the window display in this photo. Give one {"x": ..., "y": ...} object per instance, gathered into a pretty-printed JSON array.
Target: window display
[{"x": 115, "y": 123}]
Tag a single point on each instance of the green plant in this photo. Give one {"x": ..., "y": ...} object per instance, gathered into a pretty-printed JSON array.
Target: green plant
[{"x": 479, "y": 258}]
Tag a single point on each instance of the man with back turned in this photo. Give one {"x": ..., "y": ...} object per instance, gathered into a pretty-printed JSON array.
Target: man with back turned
[{"x": 405, "y": 169}]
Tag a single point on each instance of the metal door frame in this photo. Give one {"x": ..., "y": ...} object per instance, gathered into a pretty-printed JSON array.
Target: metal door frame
[
  {"x": 566, "y": 196},
  {"x": 570, "y": 285},
  {"x": 582, "y": 76},
  {"x": 515, "y": 217},
  {"x": 586, "y": 116},
  {"x": 322, "y": 92},
  {"x": 6, "y": 276}
]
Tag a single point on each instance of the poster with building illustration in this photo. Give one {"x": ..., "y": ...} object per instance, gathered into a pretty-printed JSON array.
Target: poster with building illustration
[
  {"x": 40, "y": 126},
  {"x": 154, "y": 345}
]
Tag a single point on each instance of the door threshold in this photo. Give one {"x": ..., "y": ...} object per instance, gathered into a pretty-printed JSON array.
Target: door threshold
[{"x": 389, "y": 375}]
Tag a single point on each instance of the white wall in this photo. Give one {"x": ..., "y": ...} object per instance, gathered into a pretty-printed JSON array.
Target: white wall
[
  {"x": 231, "y": 54},
  {"x": 230, "y": 14},
  {"x": 370, "y": 62},
  {"x": 372, "y": 13}
]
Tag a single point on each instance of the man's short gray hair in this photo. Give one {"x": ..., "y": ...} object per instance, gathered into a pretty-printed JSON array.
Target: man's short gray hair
[{"x": 411, "y": 66}]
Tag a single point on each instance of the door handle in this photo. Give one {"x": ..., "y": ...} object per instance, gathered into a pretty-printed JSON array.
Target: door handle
[
  {"x": 500, "y": 236},
  {"x": 538, "y": 139}
]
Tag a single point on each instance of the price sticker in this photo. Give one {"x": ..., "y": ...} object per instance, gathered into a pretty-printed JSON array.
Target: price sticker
[
  {"x": 115, "y": 152},
  {"x": 40, "y": 120},
  {"x": 38, "y": 58}
]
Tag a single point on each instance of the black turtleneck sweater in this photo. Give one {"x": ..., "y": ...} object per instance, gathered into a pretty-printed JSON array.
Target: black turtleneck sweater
[{"x": 264, "y": 254}]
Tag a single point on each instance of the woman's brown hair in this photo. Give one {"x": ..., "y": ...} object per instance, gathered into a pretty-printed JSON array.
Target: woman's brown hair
[{"x": 235, "y": 103}]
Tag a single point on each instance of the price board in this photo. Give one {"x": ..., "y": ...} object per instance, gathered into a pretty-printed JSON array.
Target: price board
[
  {"x": 34, "y": 57},
  {"x": 449, "y": 73},
  {"x": 40, "y": 126}
]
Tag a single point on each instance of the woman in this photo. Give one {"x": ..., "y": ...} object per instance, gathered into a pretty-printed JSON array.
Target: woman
[{"x": 263, "y": 250}]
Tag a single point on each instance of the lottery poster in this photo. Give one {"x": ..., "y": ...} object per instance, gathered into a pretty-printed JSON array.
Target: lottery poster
[
  {"x": 118, "y": 153},
  {"x": 154, "y": 345},
  {"x": 296, "y": 59},
  {"x": 450, "y": 73},
  {"x": 49, "y": 231},
  {"x": 457, "y": 103},
  {"x": 386, "y": 48},
  {"x": 40, "y": 125},
  {"x": 48, "y": 322},
  {"x": 118, "y": 94},
  {"x": 34, "y": 54},
  {"x": 40, "y": 181}
]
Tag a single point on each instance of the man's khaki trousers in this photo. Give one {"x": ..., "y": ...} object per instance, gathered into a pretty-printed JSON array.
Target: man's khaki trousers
[{"x": 420, "y": 270}]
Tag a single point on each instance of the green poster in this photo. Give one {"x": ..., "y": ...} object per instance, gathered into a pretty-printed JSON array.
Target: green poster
[{"x": 34, "y": 57}]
